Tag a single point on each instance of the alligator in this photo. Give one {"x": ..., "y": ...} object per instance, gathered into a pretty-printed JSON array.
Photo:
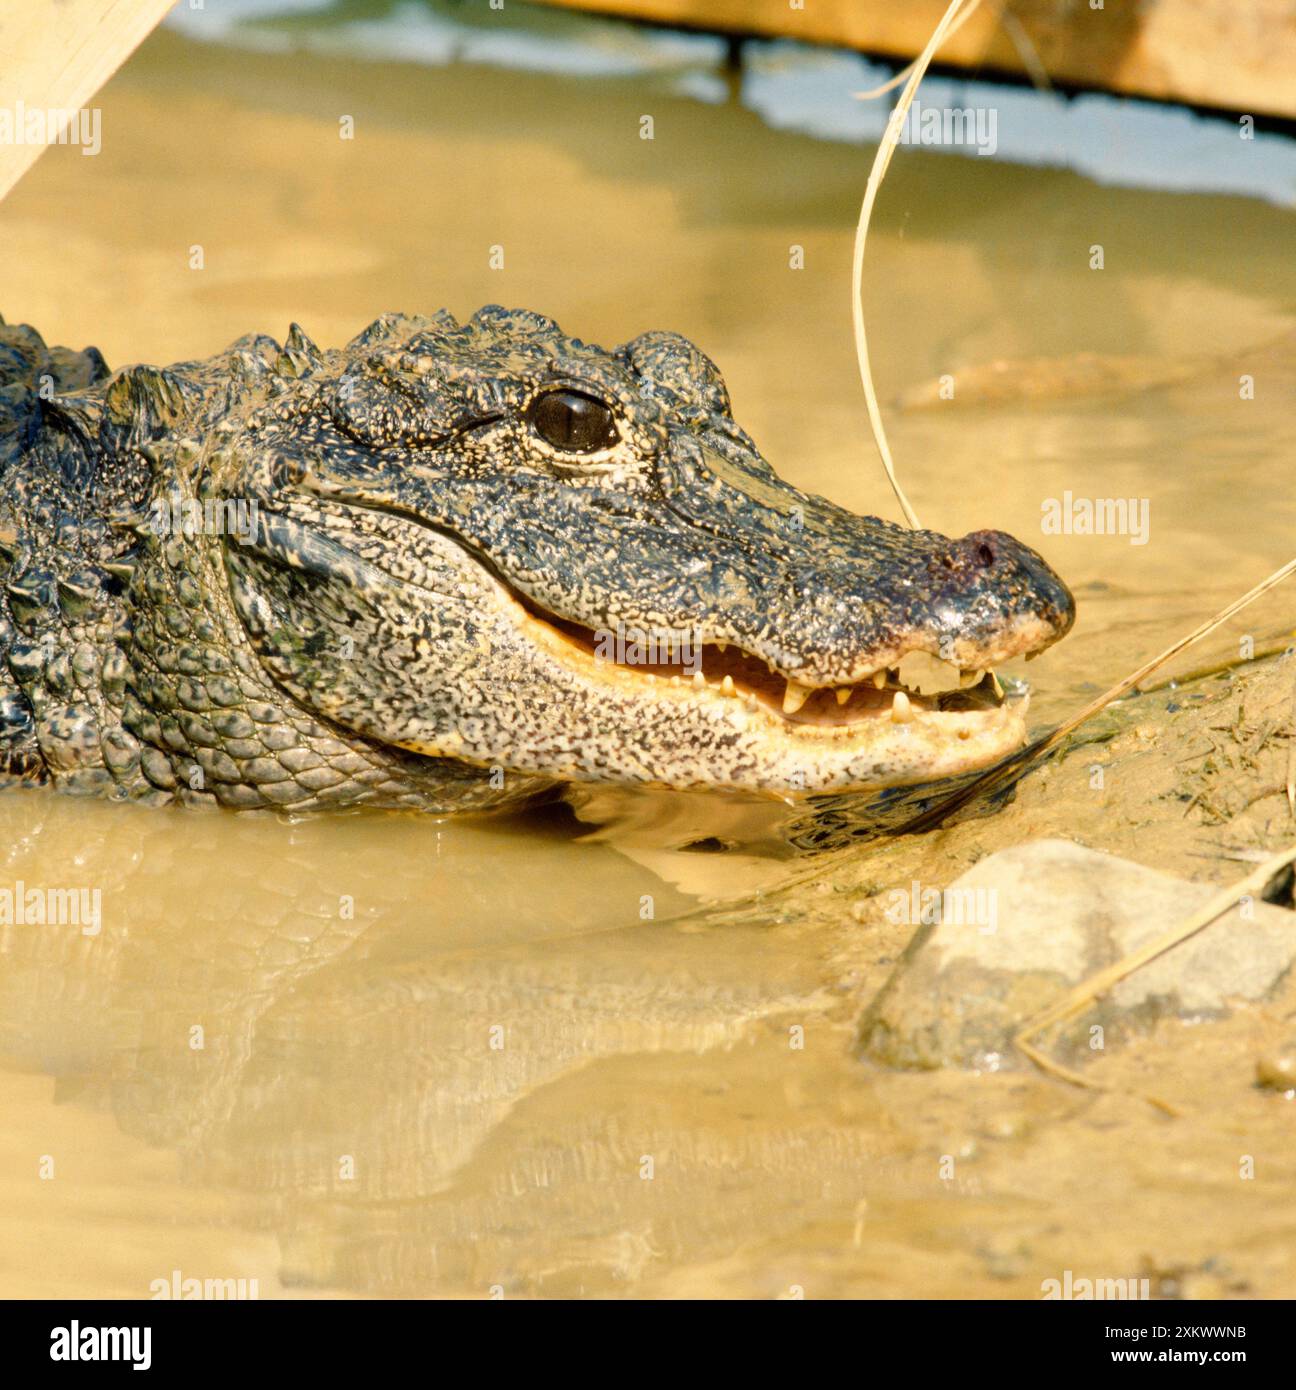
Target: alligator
[{"x": 454, "y": 566}]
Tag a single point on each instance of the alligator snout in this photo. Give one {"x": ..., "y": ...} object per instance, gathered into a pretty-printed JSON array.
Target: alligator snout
[
  {"x": 992, "y": 573},
  {"x": 858, "y": 594}
]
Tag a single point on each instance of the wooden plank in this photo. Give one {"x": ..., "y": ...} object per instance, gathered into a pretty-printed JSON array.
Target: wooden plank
[
  {"x": 55, "y": 55},
  {"x": 1223, "y": 53}
]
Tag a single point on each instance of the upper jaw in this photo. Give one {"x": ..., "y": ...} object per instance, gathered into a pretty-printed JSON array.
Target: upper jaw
[
  {"x": 825, "y": 640},
  {"x": 837, "y": 650},
  {"x": 673, "y": 666},
  {"x": 927, "y": 660},
  {"x": 970, "y": 604},
  {"x": 828, "y": 597}
]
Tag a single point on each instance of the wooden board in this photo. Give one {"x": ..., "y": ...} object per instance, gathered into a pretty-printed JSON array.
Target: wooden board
[
  {"x": 55, "y": 55},
  {"x": 1239, "y": 55}
]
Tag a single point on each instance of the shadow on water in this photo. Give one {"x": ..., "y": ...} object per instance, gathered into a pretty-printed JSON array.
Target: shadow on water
[{"x": 343, "y": 1018}]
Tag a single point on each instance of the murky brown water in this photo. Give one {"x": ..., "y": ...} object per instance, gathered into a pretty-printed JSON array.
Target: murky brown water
[{"x": 380, "y": 1054}]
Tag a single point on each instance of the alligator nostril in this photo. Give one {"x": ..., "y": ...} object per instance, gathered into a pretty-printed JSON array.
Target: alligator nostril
[{"x": 985, "y": 554}]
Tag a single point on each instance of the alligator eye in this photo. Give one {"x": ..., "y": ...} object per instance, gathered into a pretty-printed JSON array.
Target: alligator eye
[{"x": 574, "y": 422}]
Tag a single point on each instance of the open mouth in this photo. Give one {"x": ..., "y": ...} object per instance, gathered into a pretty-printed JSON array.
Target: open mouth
[
  {"x": 920, "y": 686},
  {"x": 670, "y": 708},
  {"x": 963, "y": 701}
]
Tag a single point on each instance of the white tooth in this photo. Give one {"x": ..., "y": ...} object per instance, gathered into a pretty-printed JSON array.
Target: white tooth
[
  {"x": 724, "y": 646},
  {"x": 969, "y": 678},
  {"x": 998, "y": 689},
  {"x": 879, "y": 679},
  {"x": 727, "y": 686},
  {"x": 795, "y": 696},
  {"x": 901, "y": 709},
  {"x": 844, "y": 692},
  {"x": 699, "y": 681}
]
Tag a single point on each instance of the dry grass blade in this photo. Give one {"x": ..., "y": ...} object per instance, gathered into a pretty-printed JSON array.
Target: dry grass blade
[
  {"x": 1291, "y": 757},
  {"x": 906, "y": 72},
  {"x": 1075, "y": 1001},
  {"x": 886, "y": 148},
  {"x": 1015, "y": 766},
  {"x": 1026, "y": 51}
]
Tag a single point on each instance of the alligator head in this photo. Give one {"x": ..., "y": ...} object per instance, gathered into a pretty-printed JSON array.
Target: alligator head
[
  {"x": 497, "y": 544},
  {"x": 451, "y": 566}
]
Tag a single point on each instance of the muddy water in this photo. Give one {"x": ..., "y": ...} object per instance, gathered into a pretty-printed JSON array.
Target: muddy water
[{"x": 382, "y": 1054}]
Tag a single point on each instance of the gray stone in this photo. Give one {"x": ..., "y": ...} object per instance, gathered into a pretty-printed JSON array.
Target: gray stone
[{"x": 1021, "y": 927}]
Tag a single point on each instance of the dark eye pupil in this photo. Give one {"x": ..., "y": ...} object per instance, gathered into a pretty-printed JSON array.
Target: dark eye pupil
[{"x": 568, "y": 420}]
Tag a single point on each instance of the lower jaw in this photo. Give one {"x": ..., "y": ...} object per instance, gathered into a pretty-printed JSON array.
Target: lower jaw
[
  {"x": 807, "y": 760},
  {"x": 879, "y": 754},
  {"x": 611, "y": 742},
  {"x": 635, "y": 728},
  {"x": 700, "y": 740}
]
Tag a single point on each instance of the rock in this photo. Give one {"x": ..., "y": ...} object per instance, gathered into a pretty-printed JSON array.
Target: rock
[{"x": 1021, "y": 927}]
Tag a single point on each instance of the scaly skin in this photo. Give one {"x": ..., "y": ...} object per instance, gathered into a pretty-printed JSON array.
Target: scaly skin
[{"x": 411, "y": 554}]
